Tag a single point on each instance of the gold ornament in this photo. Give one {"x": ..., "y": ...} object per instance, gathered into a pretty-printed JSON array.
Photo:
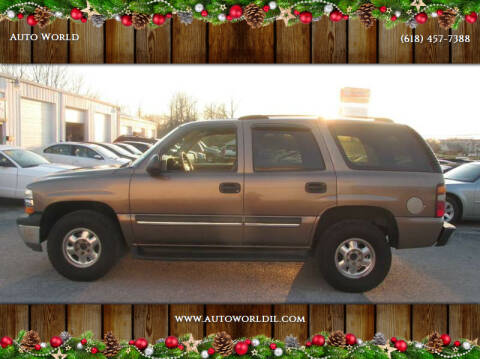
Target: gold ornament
[
  {"x": 59, "y": 355},
  {"x": 387, "y": 349},
  {"x": 254, "y": 352},
  {"x": 191, "y": 344},
  {"x": 89, "y": 10},
  {"x": 285, "y": 15},
  {"x": 418, "y": 4},
  {"x": 349, "y": 9}
]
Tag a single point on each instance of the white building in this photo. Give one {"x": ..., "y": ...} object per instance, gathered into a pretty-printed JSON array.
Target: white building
[{"x": 34, "y": 115}]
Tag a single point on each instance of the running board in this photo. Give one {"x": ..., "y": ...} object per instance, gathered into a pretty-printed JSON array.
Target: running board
[{"x": 252, "y": 254}]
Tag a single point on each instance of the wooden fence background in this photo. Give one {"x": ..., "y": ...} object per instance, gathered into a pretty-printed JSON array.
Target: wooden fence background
[
  {"x": 155, "y": 321},
  {"x": 320, "y": 42}
]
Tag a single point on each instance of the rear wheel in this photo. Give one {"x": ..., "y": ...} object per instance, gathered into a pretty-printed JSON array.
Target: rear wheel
[
  {"x": 452, "y": 210},
  {"x": 355, "y": 256}
]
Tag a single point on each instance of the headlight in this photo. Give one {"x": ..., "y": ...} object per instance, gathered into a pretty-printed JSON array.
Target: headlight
[{"x": 28, "y": 201}]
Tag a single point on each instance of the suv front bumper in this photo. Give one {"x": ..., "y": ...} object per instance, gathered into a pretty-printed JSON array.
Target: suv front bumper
[
  {"x": 445, "y": 234},
  {"x": 29, "y": 229}
]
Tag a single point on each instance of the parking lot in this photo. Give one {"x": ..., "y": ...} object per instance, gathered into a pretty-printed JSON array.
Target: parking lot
[{"x": 430, "y": 275}]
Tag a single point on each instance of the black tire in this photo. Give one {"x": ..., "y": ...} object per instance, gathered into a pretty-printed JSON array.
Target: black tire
[
  {"x": 334, "y": 236},
  {"x": 457, "y": 211},
  {"x": 107, "y": 233}
]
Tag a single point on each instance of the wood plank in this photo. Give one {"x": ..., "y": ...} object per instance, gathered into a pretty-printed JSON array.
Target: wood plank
[
  {"x": 362, "y": 42},
  {"x": 238, "y": 43},
  {"x": 390, "y": 48},
  {"x": 119, "y": 42},
  {"x": 298, "y": 329},
  {"x": 153, "y": 45},
  {"x": 293, "y": 43},
  {"x": 329, "y": 41},
  {"x": 464, "y": 321},
  {"x": 84, "y": 317},
  {"x": 428, "y": 52},
  {"x": 89, "y": 49},
  {"x": 47, "y": 320},
  {"x": 118, "y": 319},
  {"x": 360, "y": 320},
  {"x": 427, "y": 318},
  {"x": 48, "y": 51},
  {"x": 182, "y": 327},
  {"x": 469, "y": 52},
  {"x": 394, "y": 320},
  {"x": 326, "y": 317},
  {"x": 13, "y": 318},
  {"x": 150, "y": 321},
  {"x": 14, "y": 51},
  {"x": 189, "y": 42},
  {"x": 237, "y": 330}
]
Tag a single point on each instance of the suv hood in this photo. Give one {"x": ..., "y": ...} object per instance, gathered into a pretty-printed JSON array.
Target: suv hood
[{"x": 85, "y": 172}]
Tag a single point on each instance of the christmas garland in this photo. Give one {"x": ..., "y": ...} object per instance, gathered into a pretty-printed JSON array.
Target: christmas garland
[
  {"x": 335, "y": 345},
  {"x": 257, "y": 13}
]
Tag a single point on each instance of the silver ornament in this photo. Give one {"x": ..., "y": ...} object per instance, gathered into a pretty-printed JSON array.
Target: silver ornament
[
  {"x": 418, "y": 345},
  {"x": 255, "y": 342},
  {"x": 278, "y": 352},
  {"x": 328, "y": 8},
  {"x": 161, "y": 340},
  {"x": 185, "y": 17},
  {"x": 199, "y": 7},
  {"x": 118, "y": 17},
  {"x": 98, "y": 20},
  {"x": 65, "y": 336},
  {"x": 379, "y": 339},
  {"x": 43, "y": 345},
  {"x": 79, "y": 346},
  {"x": 149, "y": 351},
  {"x": 11, "y": 14},
  {"x": 397, "y": 13},
  {"x": 272, "y": 5},
  {"x": 291, "y": 342},
  {"x": 359, "y": 341},
  {"x": 204, "y": 354},
  {"x": 58, "y": 14},
  {"x": 222, "y": 17},
  {"x": 466, "y": 345}
]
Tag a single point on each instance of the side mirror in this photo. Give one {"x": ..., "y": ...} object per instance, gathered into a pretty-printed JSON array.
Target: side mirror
[
  {"x": 98, "y": 157},
  {"x": 156, "y": 165}
]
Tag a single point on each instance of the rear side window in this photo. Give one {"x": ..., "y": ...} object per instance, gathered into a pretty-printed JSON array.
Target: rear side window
[
  {"x": 285, "y": 150},
  {"x": 59, "y": 150},
  {"x": 383, "y": 147}
]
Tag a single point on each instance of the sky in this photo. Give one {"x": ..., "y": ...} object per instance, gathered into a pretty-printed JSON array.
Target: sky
[{"x": 437, "y": 101}]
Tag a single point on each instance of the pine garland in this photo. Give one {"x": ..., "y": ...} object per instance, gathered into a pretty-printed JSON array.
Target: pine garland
[
  {"x": 391, "y": 12},
  {"x": 258, "y": 347}
]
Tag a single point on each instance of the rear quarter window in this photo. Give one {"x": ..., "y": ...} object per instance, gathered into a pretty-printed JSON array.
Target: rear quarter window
[{"x": 373, "y": 146}]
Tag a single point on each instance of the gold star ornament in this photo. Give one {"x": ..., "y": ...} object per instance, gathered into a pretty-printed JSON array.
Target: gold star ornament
[
  {"x": 59, "y": 355},
  {"x": 418, "y": 4},
  {"x": 191, "y": 344},
  {"x": 285, "y": 15},
  {"x": 387, "y": 349},
  {"x": 89, "y": 10}
]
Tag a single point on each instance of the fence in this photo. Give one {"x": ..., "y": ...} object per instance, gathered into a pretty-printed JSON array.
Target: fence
[{"x": 320, "y": 42}]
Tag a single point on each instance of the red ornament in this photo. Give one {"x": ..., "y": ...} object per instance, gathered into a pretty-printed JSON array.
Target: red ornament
[
  {"x": 130, "y": 342},
  {"x": 76, "y": 14},
  {"x": 84, "y": 20},
  {"x": 204, "y": 13},
  {"x": 6, "y": 341},
  {"x": 159, "y": 19},
  {"x": 345, "y": 17},
  {"x": 318, "y": 340},
  {"x": 84, "y": 341},
  {"x": 401, "y": 345},
  {"x": 439, "y": 12},
  {"x": 94, "y": 350},
  {"x": 471, "y": 18},
  {"x": 141, "y": 343},
  {"x": 20, "y": 16},
  {"x": 273, "y": 346},
  {"x": 336, "y": 16},
  {"x": 308, "y": 344},
  {"x": 169, "y": 15},
  {"x": 236, "y": 11},
  {"x": 55, "y": 342},
  {"x": 296, "y": 12},
  {"x": 38, "y": 347},
  {"x": 421, "y": 18},
  {"x": 266, "y": 8},
  {"x": 171, "y": 342},
  {"x": 393, "y": 339},
  {"x": 248, "y": 341},
  {"x": 229, "y": 17},
  {"x": 127, "y": 20},
  {"x": 382, "y": 9},
  {"x": 457, "y": 343},
  {"x": 393, "y": 18},
  {"x": 351, "y": 339},
  {"x": 181, "y": 347},
  {"x": 31, "y": 20},
  {"x": 446, "y": 339},
  {"x": 211, "y": 351},
  {"x": 306, "y": 17},
  {"x": 241, "y": 348}
]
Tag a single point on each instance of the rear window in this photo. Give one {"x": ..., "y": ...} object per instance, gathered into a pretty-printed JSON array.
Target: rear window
[{"x": 367, "y": 146}]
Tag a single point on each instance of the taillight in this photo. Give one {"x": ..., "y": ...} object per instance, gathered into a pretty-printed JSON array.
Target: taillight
[{"x": 440, "y": 201}]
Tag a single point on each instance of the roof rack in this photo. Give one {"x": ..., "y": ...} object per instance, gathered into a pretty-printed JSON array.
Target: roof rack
[
  {"x": 376, "y": 119},
  {"x": 267, "y": 117}
]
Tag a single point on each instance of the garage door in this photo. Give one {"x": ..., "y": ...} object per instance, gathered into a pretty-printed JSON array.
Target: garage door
[
  {"x": 37, "y": 123},
  {"x": 102, "y": 128},
  {"x": 75, "y": 116}
]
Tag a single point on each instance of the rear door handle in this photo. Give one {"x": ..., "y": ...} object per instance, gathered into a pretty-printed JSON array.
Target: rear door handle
[
  {"x": 316, "y": 187},
  {"x": 229, "y": 187}
]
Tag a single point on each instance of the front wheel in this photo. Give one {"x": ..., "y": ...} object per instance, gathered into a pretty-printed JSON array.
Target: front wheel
[
  {"x": 84, "y": 245},
  {"x": 355, "y": 256}
]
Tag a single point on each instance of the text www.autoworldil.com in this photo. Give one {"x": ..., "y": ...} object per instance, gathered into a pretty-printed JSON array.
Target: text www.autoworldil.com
[{"x": 240, "y": 319}]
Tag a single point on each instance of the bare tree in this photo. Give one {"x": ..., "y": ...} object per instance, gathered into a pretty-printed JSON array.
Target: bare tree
[
  {"x": 182, "y": 109},
  {"x": 214, "y": 111}
]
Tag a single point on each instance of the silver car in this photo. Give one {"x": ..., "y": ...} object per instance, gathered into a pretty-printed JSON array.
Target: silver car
[{"x": 463, "y": 193}]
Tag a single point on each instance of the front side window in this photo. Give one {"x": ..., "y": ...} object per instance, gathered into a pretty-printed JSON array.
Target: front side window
[
  {"x": 86, "y": 152},
  {"x": 204, "y": 150},
  {"x": 285, "y": 150}
]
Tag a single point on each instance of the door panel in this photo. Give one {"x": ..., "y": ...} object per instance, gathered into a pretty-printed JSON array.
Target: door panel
[
  {"x": 37, "y": 123},
  {"x": 8, "y": 178}
]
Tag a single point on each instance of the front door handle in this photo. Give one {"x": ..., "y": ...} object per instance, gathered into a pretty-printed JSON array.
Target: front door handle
[
  {"x": 316, "y": 187},
  {"x": 230, "y": 187}
]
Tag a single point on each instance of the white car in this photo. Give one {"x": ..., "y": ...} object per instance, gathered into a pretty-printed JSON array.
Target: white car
[
  {"x": 81, "y": 154},
  {"x": 19, "y": 168}
]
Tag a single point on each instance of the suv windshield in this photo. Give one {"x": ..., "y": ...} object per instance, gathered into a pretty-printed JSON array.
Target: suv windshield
[
  {"x": 468, "y": 172},
  {"x": 25, "y": 158}
]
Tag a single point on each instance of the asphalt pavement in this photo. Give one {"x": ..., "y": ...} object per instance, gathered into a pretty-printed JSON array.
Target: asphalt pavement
[{"x": 447, "y": 274}]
